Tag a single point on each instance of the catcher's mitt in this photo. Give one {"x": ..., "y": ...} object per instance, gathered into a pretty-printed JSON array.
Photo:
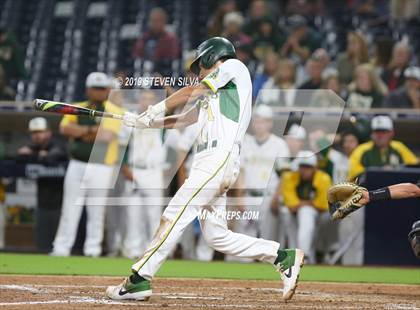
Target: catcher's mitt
[{"x": 343, "y": 199}]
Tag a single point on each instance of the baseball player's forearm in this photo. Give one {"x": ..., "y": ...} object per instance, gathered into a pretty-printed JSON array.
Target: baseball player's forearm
[
  {"x": 185, "y": 95},
  {"x": 404, "y": 190},
  {"x": 176, "y": 121},
  {"x": 396, "y": 191},
  {"x": 169, "y": 122}
]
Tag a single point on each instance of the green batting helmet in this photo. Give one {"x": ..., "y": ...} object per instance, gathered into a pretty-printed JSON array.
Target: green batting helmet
[{"x": 210, "y": 51}]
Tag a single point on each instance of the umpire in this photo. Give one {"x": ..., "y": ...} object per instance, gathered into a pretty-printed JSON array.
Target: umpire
[{"x": 94, "y": 151}]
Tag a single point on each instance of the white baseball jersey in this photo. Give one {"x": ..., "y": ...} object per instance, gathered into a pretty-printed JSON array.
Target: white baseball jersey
[
  {"x": 147, "y": 149},
  {"x": 187, "y": 138},
  {"x": 186, "y": 142},
  {"x": 260, "y": 160},
  {"x": 225, "y": 114}
]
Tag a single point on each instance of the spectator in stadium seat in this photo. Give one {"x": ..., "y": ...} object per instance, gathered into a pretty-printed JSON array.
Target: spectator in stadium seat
[
  {"x": 257, "y": 10},
  {"x": 280, "y": 90},
  {"x": 44, "y": 148},
  {"x": 393, "y": 76},
  {"x": 349, "y": 142},
  {"x": 11, "y": 56},
  {"x": 371, "y": 11},
  {"x": 314, "y": 67},
  {"x": 309, "y": 9},
  {"x": 245, "y": 54},
  {"x": 404, "y": 10},
  {"x": 215, "y": 24},
  {"x": 381, "y": 151},
  {"x": 302, "y": 41},
  {"x": 232, "y": 23},
  {"x": 269, "y": 70},
  {"x": 6, "y": 92},
  {"x": 267, "y": 38},
  {"x": 157, "y": 44},
  {"x": 382, "y": 54},
  {"x": 322, "y": 55},
  {"x": 367, "y": 90},
  {"x": 356, "y": 53},
  {"x": 305, "y": 196},
  {"x": 326, "y": 99},
  {"x": 408, "y": 95}
]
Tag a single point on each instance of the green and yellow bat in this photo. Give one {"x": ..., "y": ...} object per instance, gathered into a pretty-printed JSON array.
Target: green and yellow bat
[{"x": 65, "y": 108}]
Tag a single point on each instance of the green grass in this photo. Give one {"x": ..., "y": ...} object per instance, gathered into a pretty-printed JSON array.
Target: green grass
[{"x": 77, "y": 265}]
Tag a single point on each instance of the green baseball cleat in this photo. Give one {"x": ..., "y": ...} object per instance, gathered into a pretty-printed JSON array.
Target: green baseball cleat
[
  {"x": 129, "y": 290},
  {"x": 289, "y": 268}
]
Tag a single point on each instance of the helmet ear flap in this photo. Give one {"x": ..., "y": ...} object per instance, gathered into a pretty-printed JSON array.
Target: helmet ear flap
[{"x": 206, "y": 60}]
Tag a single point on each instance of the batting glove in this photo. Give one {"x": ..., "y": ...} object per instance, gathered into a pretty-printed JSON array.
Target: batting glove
[
  {"x": 157, "y": 110},
  {"x": 129, "y": 119},
  {"x": 136, "y": 120},
  {"x": 144, "y": 120}
]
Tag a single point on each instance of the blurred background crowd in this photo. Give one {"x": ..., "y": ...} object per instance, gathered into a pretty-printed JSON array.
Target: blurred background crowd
[{"x": 361, "y": 55}]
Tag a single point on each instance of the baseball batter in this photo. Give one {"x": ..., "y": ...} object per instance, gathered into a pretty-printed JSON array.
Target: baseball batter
[{"x": 222, "y": 111}]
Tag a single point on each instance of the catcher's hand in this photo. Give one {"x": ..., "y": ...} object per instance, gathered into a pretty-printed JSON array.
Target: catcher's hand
[{"x": 344, "y": 198}]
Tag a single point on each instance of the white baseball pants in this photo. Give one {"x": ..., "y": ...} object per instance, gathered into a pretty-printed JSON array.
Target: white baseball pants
[
  {"x": 265, "y": 226},
  {"x": 85, "y": 184},
  {"x": 143, "y": 211},
  {"x": 351, "y": 232},
  {"x": 301, "y": 229},
  {"x": 212, "y": 172}
]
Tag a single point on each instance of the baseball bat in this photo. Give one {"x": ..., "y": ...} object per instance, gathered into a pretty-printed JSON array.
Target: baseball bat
[{"x": 65, "y": 108}]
